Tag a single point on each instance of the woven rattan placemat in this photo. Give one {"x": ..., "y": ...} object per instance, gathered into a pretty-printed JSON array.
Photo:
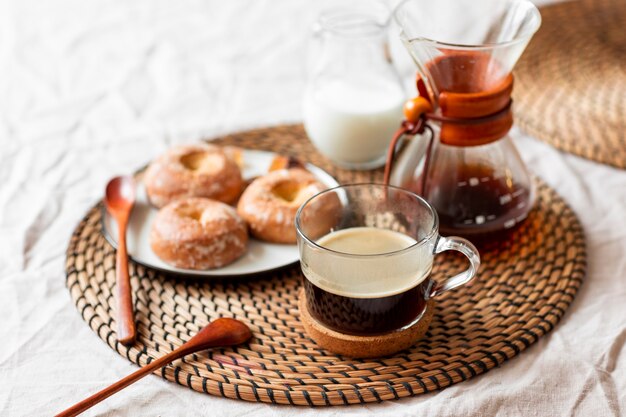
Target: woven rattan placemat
[
  {"x": 570, "y": 86},
  {"x": 523, "y": 289}
]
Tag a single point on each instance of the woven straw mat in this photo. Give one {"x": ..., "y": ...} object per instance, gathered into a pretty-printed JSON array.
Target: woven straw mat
[
  {"x": 570, "y": 86},
  {"x": 524, "y": 287}
]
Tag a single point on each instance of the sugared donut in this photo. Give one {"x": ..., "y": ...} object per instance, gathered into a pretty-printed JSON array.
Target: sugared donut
[
  {"x": 200, "y": 170},
  {"x": 198, "y": 233},
  {"x": 270, "y": 203}
]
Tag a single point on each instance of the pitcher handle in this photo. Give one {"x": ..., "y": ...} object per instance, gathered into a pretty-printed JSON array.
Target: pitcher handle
[{"x": 471, "y": 253}]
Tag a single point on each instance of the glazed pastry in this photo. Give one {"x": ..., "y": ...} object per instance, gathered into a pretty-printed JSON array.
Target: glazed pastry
[
  {"x": 285, "y": 162},
  {"x": 270, "y": 203},
  {"x": 198, "y": 233},
  {"x": 201, "y": 170}
]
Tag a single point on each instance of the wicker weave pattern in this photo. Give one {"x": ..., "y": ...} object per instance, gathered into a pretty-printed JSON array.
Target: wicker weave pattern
[
  {"x": 522, "y": 291},
  {"x": 571, "y": 81}
]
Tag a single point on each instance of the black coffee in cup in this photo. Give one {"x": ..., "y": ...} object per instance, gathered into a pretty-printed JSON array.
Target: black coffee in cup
[
  {"x": 393, "y": 299},
  {"x": 365, "y": 316}
]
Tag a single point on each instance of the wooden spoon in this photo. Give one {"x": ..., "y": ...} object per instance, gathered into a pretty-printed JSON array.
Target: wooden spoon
[
  {"x": 219, "y": 333},
  {"x": 119, "y": 199}
]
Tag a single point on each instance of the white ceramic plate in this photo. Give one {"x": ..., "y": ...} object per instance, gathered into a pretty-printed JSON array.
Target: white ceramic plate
[{"x": 260, "y": 256}]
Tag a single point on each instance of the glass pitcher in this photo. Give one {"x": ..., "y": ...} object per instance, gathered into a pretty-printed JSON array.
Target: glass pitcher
[
  {"x": 462, "y": 159},
  {"x": 354, "y": 97}
]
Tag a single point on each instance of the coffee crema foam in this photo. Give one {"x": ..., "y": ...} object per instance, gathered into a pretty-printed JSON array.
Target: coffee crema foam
[{"x": 383, "y": 269}]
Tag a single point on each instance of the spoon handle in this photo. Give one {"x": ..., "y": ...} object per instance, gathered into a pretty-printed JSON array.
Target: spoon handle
[
  {"x": 89, "y": 402},
  {"x": 220, "y": 332},
  {"x": 125, "y": 317}
]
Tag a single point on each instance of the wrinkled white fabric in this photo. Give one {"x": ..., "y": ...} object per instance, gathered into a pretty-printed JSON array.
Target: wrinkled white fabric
[{"x": 90, "y": 89}]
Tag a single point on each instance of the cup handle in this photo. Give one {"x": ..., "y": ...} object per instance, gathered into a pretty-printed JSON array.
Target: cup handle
[{"x": 466, "y": 248}]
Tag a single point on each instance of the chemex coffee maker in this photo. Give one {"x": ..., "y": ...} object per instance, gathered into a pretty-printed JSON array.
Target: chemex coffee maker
[{"x": 461, "y": 158}]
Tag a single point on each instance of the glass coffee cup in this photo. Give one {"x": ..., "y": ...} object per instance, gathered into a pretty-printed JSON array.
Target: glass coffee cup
[{"x": 366, "y": 252}]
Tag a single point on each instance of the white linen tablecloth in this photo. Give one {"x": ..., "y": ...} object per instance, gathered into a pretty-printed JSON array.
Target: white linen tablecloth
[{"x": 93, "y": 88}]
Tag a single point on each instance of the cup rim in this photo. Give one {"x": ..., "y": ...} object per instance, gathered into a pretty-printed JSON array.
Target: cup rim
[
  {"x": 518, "y": 39},
  {"x": 434, "y": 230}
]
